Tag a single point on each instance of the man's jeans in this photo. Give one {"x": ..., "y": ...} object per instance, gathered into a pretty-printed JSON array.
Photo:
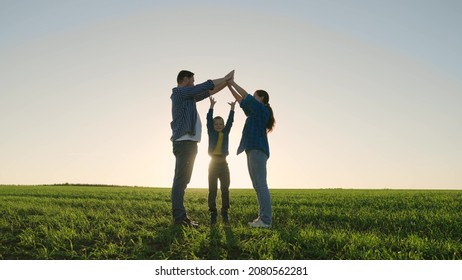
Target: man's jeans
[
  {"x": 256, "y": 163},
  {"x": 218, "y": 170},
  {"x": 185, "y": 153}
]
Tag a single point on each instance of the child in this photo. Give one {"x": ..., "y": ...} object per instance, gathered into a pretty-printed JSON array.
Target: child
[{"x": 218, "y": 168}]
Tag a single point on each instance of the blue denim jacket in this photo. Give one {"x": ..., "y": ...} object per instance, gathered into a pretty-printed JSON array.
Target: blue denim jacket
[{"x": 213, "y": 135}]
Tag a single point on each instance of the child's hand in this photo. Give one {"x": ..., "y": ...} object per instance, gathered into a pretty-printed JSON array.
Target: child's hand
[
  {"x": 212, "y": 102},
  {"x": 232, "y": 104}
]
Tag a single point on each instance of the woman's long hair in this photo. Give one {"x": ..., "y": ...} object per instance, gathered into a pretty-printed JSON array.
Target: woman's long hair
[{"x": 265, "y": 96}]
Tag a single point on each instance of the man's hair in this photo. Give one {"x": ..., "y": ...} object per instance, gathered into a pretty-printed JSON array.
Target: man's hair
[{"x": 183, "y": 74}]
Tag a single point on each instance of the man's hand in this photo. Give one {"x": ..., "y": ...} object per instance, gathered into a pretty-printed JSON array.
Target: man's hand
[
  {"x": 230, "y": 76},
  {"x": 221, "y": 83}
]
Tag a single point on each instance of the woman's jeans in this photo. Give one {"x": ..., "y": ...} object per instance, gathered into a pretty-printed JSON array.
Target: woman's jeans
[
  {"x": 185, "y": 154},
  {"x": 256, "y": 163}
]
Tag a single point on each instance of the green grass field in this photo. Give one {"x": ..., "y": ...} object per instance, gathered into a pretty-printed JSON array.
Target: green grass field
[{"x": 98, "y": 222}]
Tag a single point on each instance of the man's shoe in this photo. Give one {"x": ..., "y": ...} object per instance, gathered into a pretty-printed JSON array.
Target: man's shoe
[
  {"x": 258, "y": 224},
  {"x": 186, "y": 222}
]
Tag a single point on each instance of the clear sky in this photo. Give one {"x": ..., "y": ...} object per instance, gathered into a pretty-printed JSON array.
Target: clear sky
[{"x": 366, "y": 94}]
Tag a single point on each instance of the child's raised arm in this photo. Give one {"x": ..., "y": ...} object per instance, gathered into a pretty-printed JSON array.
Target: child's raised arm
[
  {"x": 212, "y": 102},
  {"x": 232, "y": 104}
]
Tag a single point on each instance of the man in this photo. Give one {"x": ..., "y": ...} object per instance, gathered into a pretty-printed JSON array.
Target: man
[{"x": 186, "y": 133}]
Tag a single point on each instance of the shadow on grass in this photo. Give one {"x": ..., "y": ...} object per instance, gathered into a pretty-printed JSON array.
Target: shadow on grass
[
  {"x": 234, "y": 252},
  {"x": 218, "y": 244},
  {"x": 165, "y": 245},
  {"x": 214, "y": 243}
]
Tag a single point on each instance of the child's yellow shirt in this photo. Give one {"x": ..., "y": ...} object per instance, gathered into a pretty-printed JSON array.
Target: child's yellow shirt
[{"x": 217, "y": 150}]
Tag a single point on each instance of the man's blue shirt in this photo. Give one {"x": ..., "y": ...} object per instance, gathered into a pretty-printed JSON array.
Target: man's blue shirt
[{"x": 184, "y": 111}]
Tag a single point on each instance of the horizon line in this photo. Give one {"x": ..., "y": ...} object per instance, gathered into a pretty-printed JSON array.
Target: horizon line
[{"x": 271, "y": 188}]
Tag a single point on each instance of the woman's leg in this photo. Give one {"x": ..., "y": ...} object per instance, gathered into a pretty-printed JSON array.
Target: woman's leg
[{"x": 256, "y": 160}]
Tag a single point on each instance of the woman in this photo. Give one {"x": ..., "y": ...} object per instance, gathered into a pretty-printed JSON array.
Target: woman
[{"x": 254, "y": 142}]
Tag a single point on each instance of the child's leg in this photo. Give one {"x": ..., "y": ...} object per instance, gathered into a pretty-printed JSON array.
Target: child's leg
[
  {"x": 224, "y": 187},
  {"x": 213, "y": 182}
]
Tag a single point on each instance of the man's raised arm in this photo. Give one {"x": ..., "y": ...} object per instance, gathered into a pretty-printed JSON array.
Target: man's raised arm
[{"x": 220, "y": 83}]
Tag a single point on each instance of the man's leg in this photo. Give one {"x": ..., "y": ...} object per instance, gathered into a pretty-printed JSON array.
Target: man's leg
[{"x": 185, "y": 154}]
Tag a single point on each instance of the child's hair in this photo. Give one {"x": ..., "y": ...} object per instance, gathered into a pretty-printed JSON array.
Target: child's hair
[
  {"x": 265, "y": 97},
  {"x": 183, "y": 74},
  {"x": 218, "y": 118}
]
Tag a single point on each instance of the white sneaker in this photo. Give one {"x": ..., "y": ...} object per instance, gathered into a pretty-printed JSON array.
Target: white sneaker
[{"x": 259, "y": 224}]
